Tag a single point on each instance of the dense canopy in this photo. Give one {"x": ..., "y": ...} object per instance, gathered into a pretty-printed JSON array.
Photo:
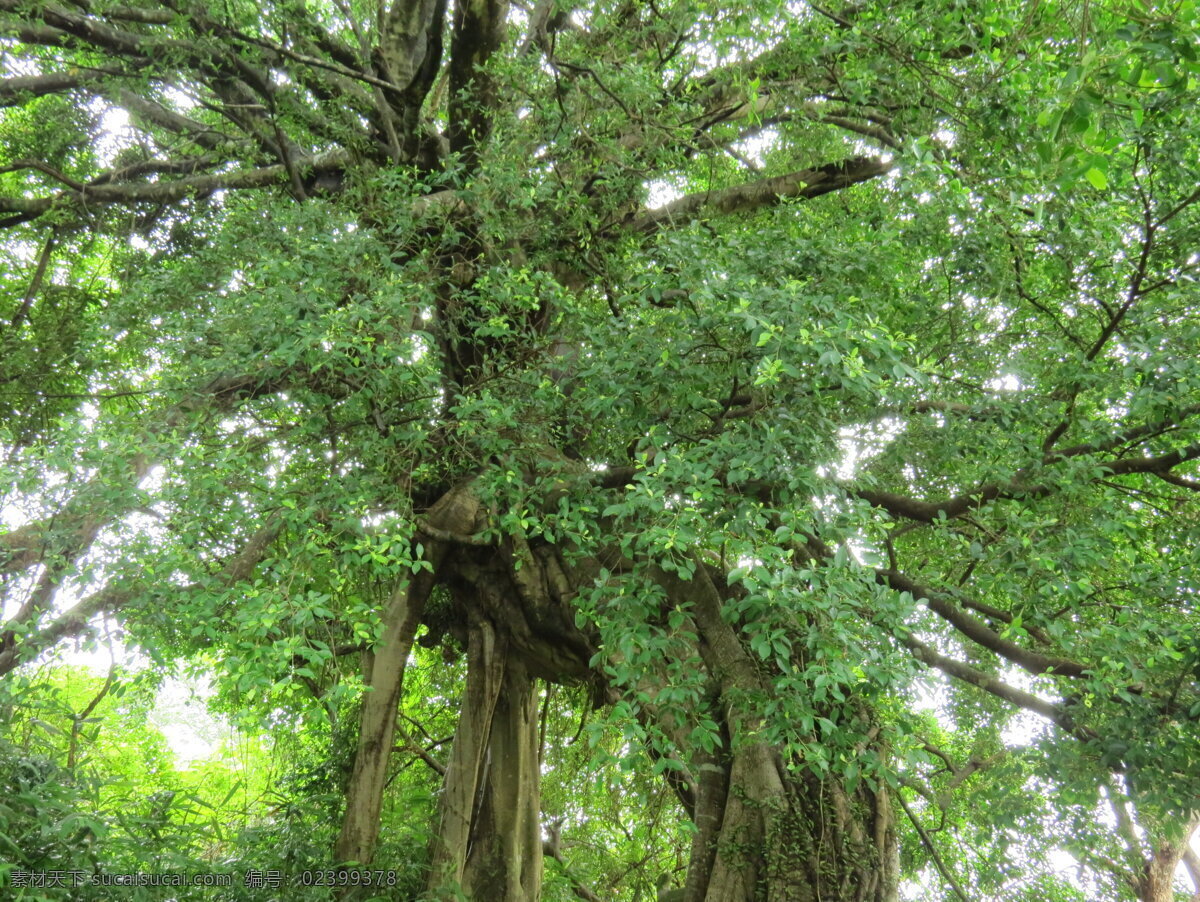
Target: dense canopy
[{"x": 753, "y": 444}]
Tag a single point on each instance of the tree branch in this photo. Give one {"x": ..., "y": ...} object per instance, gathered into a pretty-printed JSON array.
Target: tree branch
[
  {"x": 203, "y": 135},
  {"x": 86, "y": 29},
  {"x": 1191, "y": 861},
  {"x": 35, "y": 283},
  {"x": 979, "y": 632},
  {"x": 1182, "y": 482},
  {"x": 990, "y": 684},
  {"x": 175, "y": 190},
  {"x": 14, "y": 90},
  {"x": 1155, "y": 465},
  {"x": 111, "y": 598},
  {"x": 933, "y": 511},
  {"x": 1126, "y": 436},
  {"x": 804, "y": 184},
  {"x": 932, "y": 849}
]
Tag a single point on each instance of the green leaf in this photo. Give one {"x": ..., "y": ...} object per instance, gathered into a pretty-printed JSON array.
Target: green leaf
[{"x": 1097, "y": 178}]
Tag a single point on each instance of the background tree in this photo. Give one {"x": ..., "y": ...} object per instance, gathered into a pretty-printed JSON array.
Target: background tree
[{"x": 739, "y": 370}]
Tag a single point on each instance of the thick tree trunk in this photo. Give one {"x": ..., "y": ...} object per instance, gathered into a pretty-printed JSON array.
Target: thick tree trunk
[
  {"x": 383, "y": 674},
  {"x": 1156, "y": 883},
  {"x": 784, "y": 838},
  {"x": 766, "y": 833},
  {"x": 505, "y": 860},
  {"x": 468, "y": 757},
  {"x": 489, "y": 843}
]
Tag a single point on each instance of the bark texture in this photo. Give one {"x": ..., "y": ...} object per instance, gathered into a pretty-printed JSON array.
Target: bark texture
[
  {"x": 767, "y": 832},
  {"x": 513, "y": 600},
  {"x": 383, "y": 674},
  {"x": 784, "y": 838}
]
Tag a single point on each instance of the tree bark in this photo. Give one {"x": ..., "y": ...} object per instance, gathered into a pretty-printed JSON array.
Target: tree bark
[
  {"x": 489, "y": 843},
  {"x": 784, "y": 835},
  {"x": 505, "y": 860},
  {"x": 383, "y": 674},
  {"x": 1156, "y": 883},
  {"x": 789, "y": 838}
]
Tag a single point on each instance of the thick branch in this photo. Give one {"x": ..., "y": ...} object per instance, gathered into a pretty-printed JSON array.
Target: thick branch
[
  {"x": 1191, "y": 861},
  {"x": 805, "y": 184},
  {"x": 112, "y": 598},
  {"x": 85, "y": 28},
  {"x": 1014, "y": 696},
  {"x": 131, "y": 13},
  {"x": 1156, "y": 465},
  {"x": 17, "y": 89},
  {"x": 152, "y": 111},
  {"x": 1126, "y": 436},
  {"x": 978, "y": 631},
  {"x": 932, "y": 511},
  {"x": 478, "y": 27},
  {"x": 170, "y": 191},
  {"x": 1184, "y": 483}
]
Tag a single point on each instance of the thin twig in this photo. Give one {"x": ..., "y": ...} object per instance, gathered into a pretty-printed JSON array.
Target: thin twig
[
  {"x": 35, "y": 284},
  {"x": 933, "y": 852}
]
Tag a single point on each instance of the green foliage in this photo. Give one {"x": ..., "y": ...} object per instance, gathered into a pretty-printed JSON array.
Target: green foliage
[{"x": 928, "y": 435}]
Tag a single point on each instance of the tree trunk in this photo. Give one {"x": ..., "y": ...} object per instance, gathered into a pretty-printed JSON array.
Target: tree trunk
[
  {"x": 1157, "y": 880},
  {"x": 767, "y": 833},
  {"x": 786, "y": 838},
  {"x": 1157, "y": 883},
  {"x": 383, "y": 674},
  {"x": 505, "y": 859},
  {"x": 489, "y": 842}
]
